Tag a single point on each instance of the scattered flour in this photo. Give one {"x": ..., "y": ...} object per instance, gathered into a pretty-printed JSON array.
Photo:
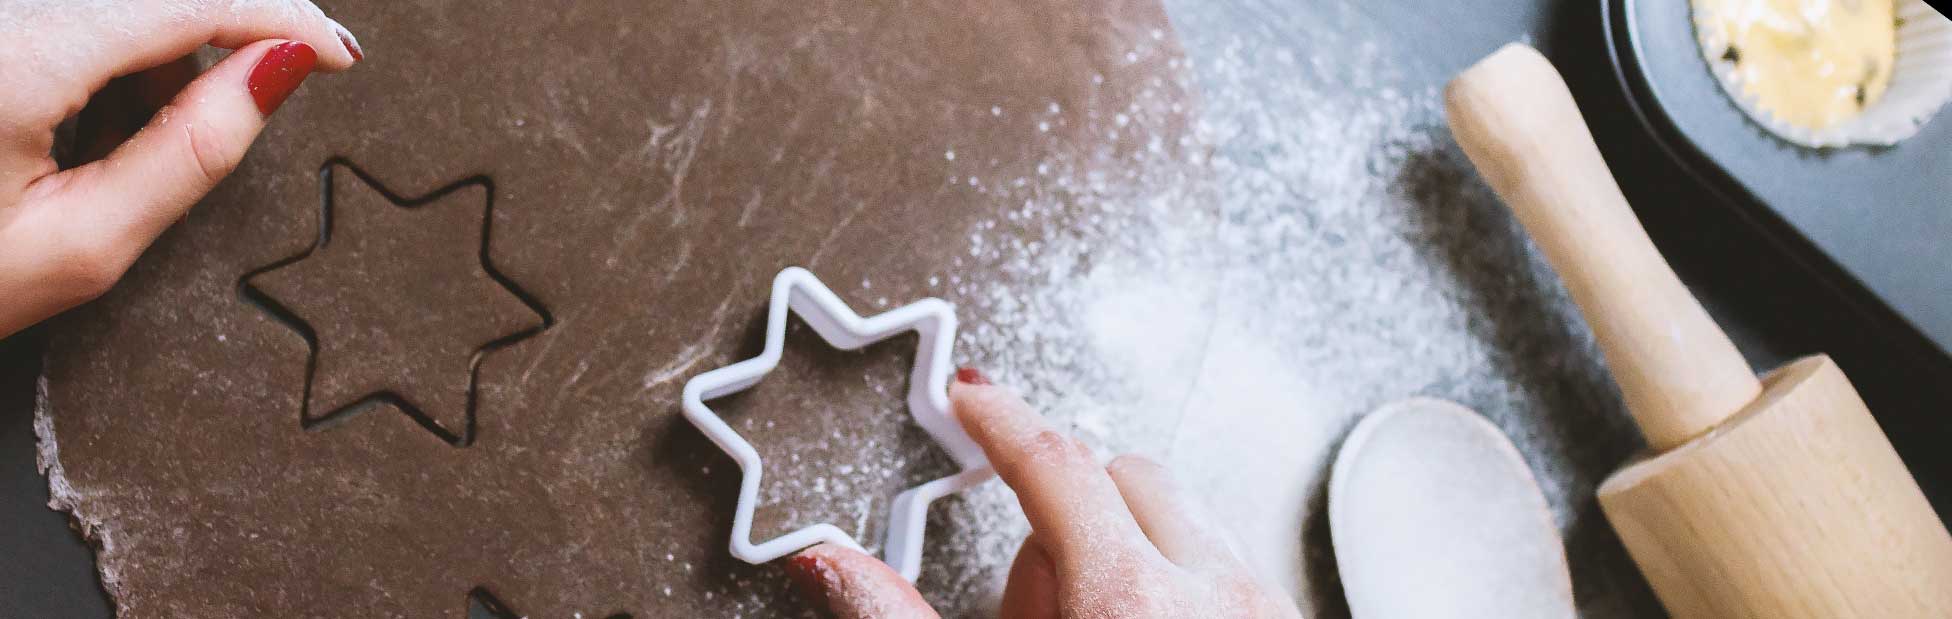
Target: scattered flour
[{"x": 1232, "y": 304}]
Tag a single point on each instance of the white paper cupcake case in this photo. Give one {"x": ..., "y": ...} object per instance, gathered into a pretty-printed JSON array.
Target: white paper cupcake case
[{"x": 1921, "y": 83}]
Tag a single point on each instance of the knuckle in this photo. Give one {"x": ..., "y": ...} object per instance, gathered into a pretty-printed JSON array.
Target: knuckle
[
  {"x": 39, "y": 114},
  {"x": 1133, "y": 464},
  {"x": 33, "y": 115},
  {"x": 48, "y": 102},
  {"x": 1050, "y": 447},
  {"x": 213, "y": 153}
]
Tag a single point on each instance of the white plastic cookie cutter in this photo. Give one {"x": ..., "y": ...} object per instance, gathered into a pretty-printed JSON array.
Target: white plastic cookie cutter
[{"x": 934, "y": 321}]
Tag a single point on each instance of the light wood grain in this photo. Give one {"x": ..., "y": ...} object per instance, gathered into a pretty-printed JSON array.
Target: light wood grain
[
  {"x": 1779, "y": 498},
  {"x": 1797, "y": 507},
  {"x": 1515, "y": 119}
]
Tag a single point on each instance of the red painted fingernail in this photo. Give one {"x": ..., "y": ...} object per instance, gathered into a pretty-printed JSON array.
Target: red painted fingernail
[
  {"x": 351, "y": 42},
  {"x": 810, "y": 578},
  {"x": 282, "y": 69},
  {"x": 971, "y": 376}
]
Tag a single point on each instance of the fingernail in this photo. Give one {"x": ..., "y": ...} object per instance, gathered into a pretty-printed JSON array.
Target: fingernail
[
  {"x": 971, "y": 376},
  {"x": 279, "y": 73},
  {"x": 351, "y": 42},
  {"x": 809, "y": 578}
]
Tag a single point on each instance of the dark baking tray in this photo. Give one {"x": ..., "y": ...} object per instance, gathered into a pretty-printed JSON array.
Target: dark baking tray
[{"x": 1872, "y": 223}]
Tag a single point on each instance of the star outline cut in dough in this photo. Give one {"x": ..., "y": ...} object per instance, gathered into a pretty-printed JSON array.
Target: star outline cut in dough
[
  {"x": 284, "y": 315},
  {"x": 796, "y": 290}
]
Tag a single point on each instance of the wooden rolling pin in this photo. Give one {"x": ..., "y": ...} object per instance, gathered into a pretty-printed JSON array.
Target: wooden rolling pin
[{"x": 1777, "y": 497}]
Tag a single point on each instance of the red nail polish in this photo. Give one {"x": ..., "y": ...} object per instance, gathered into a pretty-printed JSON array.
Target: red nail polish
[
  {"x": 971, "y": 376},
  {"x": 810, "y": 578},
  {"x": 352, "y": 45},
  {"x": 282, "y": 69}
]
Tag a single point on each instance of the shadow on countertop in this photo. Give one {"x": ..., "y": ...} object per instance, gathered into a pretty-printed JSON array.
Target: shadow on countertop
[{"x": 45, "y": 568}]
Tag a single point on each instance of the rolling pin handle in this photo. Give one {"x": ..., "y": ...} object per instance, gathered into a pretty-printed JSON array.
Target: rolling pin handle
[{"x": 1516, "y": 120}]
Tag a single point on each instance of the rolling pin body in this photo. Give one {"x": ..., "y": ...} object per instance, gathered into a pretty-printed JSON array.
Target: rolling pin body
[{"x": 1773, "y": 498}]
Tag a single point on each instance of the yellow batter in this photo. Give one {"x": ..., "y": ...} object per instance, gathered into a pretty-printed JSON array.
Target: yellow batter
[{"x": 1811, "y": 63}]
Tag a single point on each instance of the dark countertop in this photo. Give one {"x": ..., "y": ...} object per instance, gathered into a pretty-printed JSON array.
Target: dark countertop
[{"x": 1772, "y": 314}]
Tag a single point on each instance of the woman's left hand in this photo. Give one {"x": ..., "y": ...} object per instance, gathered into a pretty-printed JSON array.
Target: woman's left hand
[{"x": 66, "y": 236}]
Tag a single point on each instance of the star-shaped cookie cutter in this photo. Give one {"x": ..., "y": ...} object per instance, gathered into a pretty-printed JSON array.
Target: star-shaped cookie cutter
[{"x": 934, "y": 320}]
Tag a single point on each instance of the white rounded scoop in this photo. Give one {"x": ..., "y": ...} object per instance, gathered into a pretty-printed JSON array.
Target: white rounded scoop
[{"x": 1433, "y": 515}]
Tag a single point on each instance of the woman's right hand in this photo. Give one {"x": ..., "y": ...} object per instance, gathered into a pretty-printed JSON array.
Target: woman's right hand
[{"x": 1106, "y": 541}]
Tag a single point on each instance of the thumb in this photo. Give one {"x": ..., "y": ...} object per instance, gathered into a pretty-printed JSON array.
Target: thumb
[
  {"x": 852, "y": 585},
  {"x": 122, "y": 202}
]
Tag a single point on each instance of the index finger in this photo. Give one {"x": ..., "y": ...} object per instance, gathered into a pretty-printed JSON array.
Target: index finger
[
  {"x": 76, "y": 50},
  {"x": 1071, "y": 501},
  {"x": 149, "y": 33}
]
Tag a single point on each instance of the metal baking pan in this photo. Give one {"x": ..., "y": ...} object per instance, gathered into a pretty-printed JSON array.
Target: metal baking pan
[{"x": 1872, "y": 223}]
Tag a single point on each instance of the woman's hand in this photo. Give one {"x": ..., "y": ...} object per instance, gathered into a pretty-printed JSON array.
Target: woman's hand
[
  {"x": 1106, "y": 541},
  {"x": 67, "y": 235}
]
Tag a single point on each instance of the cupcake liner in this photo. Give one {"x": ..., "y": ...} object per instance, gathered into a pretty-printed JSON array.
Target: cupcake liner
[{"x": 1921, "y": 83}]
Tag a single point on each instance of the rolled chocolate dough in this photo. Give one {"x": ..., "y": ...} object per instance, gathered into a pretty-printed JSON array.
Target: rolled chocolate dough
[{"x": 652, "y": 166}]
